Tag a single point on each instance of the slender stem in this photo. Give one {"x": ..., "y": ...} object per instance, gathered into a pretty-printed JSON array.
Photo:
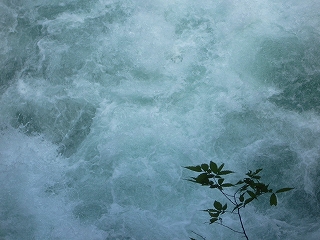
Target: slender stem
[
  {"x": 239, "y": 215},
  {"x": 198, "y": 235},
  {"x": 234, "y": 202},
  {"x": 231, "y": 212},
  {"x": 229, "y": 195},
  {"x": 229, "y": 228},
  {"x": 226, "y": 195},
  {"x": 240, "y": 219},
  {"x": 234, "y": 196},
  {"x": 238, "y": 211}
]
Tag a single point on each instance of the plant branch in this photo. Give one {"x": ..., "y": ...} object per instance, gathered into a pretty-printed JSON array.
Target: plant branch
[
  {"x": 198, "y": 235},
  {"x": 250, "y": 188},
  {"x": 240, "y": 219},
  {"x": 226, "y": 195},
  {"x": 236, "y": 231}
]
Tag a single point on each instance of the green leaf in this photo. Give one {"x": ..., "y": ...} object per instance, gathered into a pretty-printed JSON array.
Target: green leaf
[
  {"x": 248, "y": 200},
  {"x": 217, "y": 205},
  {"x": 256, "y": 177},
  {"x": 249, "y": 173},
  {"x": 194, "y": 168},
  {"x": 202, "y": 179},
  {"x": 190, "y": 180},
  {"x": 238, "y": 206},
  {"x": 213, "y": 167},
  {"x": 214, "y": 215},
  {"x": 220, "y": 168},
  {"x": 227, "y": 185},
  {"x": 257, "y": 171},
  {"x": 252, "y": 194},
  {"x": 261, "y": 187},
  {"x": 212, "y": 220},
  {"x": 241, "y": 198},
  {"x": 220, "y": 181},
  {"x": 284, "y": 190},
  {"x": 273, "y": 200},
  {"x": 224, "y": 207},
  {"x": 225, "y": 172},
  {"x": 210, "y": 210},
  {"x": 205, "y": 167},
  {"x": 248, "y": 181},
  {"x": 244, "y": 188}
]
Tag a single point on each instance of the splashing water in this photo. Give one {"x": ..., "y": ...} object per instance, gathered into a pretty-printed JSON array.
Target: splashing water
[{"x": 103, "y": 103}]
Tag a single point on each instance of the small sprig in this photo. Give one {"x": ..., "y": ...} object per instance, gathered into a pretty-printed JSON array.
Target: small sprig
[{"x": 245, "y": 191}]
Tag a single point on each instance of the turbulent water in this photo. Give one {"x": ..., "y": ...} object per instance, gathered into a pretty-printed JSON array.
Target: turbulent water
[{"x": 103, "y": 103}]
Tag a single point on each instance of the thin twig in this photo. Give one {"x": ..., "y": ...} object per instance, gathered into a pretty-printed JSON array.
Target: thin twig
[
  {"x": 240, "y": 219},
  {"x": 198, "y": 235},
  {"x": 239, "y": 215},
  {"x": 236, "y": 231},
  {"x": 223, "y": 192}
]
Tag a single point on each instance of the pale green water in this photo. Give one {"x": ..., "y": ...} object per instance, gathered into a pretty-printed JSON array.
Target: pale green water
[{"x": 103, "y": 102}]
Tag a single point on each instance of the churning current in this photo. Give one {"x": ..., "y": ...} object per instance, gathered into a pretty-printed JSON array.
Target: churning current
[{"x": 103, "y": 102}]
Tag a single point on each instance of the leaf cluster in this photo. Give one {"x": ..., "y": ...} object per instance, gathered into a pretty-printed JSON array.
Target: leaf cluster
[
  {"x": 245, "y": 190},
  {"x": 218, "y": 210},
  {"x": 209, "y": 174}
]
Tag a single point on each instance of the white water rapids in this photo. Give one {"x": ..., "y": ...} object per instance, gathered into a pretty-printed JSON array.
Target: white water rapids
[{"x": 102, "y": 103}]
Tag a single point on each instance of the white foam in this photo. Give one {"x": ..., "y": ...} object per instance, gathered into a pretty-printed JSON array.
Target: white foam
[{"x": 162, "y": 85}]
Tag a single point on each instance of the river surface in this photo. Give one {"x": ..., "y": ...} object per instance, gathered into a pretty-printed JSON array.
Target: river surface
[{"x": 102, "y": 104}]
